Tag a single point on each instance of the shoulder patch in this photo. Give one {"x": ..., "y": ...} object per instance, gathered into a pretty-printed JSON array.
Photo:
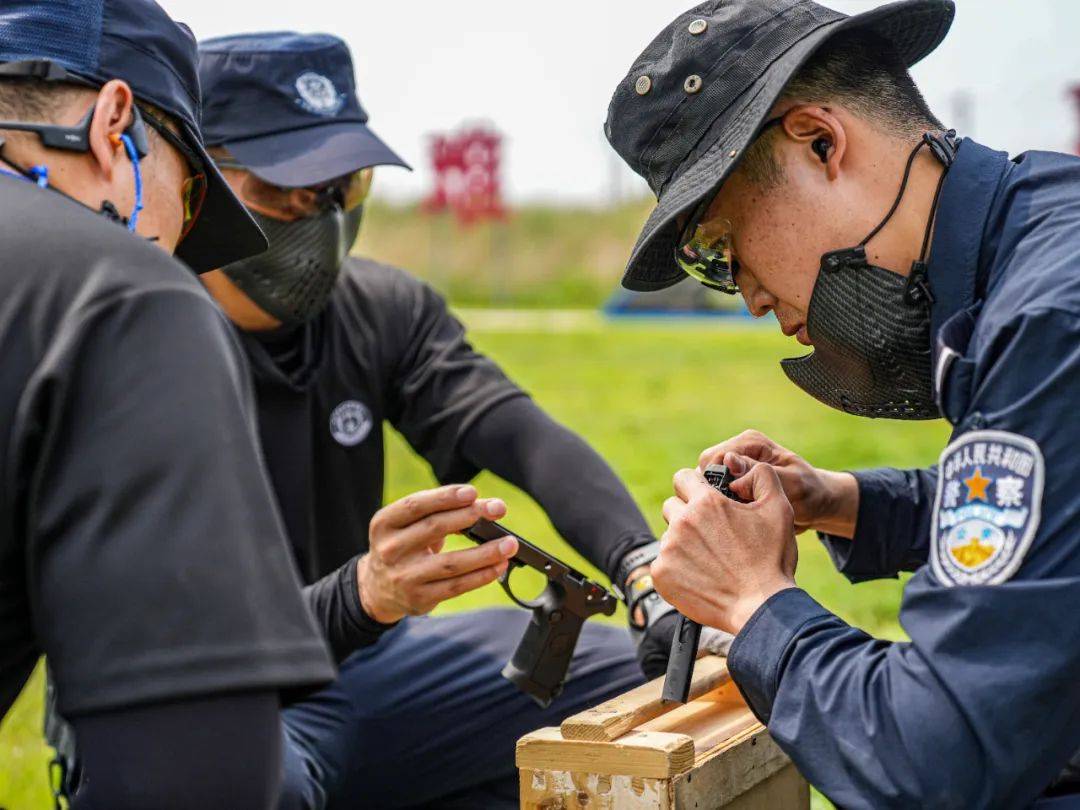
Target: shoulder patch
[{"x": 990, "y": 485}]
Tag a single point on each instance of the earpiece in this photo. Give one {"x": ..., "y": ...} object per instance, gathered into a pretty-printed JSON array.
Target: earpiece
[
  {"x": 137, "y": 132},
  {"x": 820, "y": 147},
  {"x": 115, "y": 140}
]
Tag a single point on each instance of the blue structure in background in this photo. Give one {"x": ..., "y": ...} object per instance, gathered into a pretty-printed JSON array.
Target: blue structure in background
[{"x": 688, "y": 299}]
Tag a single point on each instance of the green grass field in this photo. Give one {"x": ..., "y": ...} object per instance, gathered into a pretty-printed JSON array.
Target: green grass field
[
  {"x": 539, "y": 256},
  {"x": 649, "y": 396}
]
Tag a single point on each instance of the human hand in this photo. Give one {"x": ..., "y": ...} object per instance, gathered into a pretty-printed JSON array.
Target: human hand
[
  {"x": 821, "y": 499},
  {"x": 404, "y": 572},
  {"x": 720, "y": 559}
]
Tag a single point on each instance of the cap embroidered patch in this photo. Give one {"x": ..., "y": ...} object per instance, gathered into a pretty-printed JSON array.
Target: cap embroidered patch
[
  {"x": 986, "y": 511},
  {"x": 350, "y": 423},
  {"x": 318, "y": 94}
]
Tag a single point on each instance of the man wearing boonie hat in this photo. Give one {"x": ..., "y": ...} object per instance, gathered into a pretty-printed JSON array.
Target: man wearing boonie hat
[
  {"x": 140, "y": 548},
  {"x": 796, "y": 163},
  {"x": 340, "y": 345}
]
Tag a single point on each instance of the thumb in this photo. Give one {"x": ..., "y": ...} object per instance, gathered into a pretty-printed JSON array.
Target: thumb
[
  {"x": 760, "y": 483},
  {"x": 737, "y": 463}
]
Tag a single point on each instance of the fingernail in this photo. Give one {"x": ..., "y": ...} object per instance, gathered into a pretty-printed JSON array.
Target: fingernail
[
  {"x": 466, "y": 493},
  {"x": 735, "y": 463},
  {"x": 508, "y": 545},
  {"x": 495, "y": 507}
]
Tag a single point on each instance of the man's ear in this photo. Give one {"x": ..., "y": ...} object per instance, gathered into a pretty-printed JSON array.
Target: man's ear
[
  {"x": 112, "y": 115},
  {"x": 821, "y": 133}
]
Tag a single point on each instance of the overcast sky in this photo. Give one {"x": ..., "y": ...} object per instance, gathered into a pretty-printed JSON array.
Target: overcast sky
[{"x": 543, "y": 73}]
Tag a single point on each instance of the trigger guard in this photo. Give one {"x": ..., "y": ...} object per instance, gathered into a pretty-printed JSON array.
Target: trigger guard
[{"x": 504, "y": 581}]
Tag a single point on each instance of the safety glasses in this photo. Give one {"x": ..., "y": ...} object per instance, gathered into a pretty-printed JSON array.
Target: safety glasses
[
  {"x": 705, "y": 251},
  {"x": 193, "y": 191},
  {"x": 347, "y": 192}
]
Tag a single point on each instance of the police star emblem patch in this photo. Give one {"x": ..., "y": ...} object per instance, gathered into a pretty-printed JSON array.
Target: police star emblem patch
[
  {"x": 318, "y": 95},
  {"x": 986, "y": 511}
]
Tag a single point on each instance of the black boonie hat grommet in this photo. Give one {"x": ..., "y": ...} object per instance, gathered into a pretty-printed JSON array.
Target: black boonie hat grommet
[{"x": 713, "y": 75}]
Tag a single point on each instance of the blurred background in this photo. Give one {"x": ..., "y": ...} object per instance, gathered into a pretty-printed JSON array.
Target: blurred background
[
  {"x": 520, "y": 213},
  {"x": 540, "y": 76}
]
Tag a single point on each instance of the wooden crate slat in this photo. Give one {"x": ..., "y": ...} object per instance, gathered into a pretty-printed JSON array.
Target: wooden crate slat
[
  {"x": 615, "y": 717},
  {"x": 640, "y": 753}
]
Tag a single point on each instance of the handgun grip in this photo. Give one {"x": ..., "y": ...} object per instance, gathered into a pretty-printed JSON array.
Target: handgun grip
[
  {"x": 684, "y": 646},
  {"x": 680, "y": 668},
  {"x": 539, "y": 664}
]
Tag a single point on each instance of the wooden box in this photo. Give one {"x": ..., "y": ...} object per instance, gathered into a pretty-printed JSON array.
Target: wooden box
[{"x": 637, "y": 751}]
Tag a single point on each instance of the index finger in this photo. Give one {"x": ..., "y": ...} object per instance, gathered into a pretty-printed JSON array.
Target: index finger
[
  {"x": 419, "y": 505},
  {"x": 689, "y": 483},
  {"x": 750, "y": 443}
]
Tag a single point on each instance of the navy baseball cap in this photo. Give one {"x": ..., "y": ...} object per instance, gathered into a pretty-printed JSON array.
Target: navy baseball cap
[
  {"x": 696, "y": 98},
  {"x": 285, "y": 106},
  {"x": 136, "y": 41}
]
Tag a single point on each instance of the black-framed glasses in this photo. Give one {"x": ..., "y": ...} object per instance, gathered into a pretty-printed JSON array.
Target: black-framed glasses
[{"x": 705, "y": 249}]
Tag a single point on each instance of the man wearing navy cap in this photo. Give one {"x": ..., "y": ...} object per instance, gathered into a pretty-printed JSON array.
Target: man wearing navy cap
[
  {"x": 340, "y": 345},
  {"x": 796, "y": 163},
  {"x": 140, "y": 547}
]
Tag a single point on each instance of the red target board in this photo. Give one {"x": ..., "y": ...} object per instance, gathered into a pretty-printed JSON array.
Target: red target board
[{"x": 468, "y": 181}]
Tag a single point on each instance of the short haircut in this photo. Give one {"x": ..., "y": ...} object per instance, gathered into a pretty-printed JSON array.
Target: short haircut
[
  {"x": 865, "y": 74},
  {"x": 33, "y": 100},
  {"x": 36, "y": 100}
]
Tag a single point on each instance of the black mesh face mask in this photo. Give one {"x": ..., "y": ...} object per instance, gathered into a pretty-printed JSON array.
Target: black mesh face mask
[
  {"x": 292, "y": 281},
  {"x": 871, "y": 327}
]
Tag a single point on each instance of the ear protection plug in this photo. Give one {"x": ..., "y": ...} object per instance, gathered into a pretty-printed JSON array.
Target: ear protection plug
[
  {"x": 115, "y": 140},
  {"x": 820, "y": 147}
]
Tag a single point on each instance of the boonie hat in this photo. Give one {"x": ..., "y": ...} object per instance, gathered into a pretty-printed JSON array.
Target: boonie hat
[
  {"x": 136, "y": 41},
  {"x": 285, "y": 106},
  {"x": 697, "y": 96}
]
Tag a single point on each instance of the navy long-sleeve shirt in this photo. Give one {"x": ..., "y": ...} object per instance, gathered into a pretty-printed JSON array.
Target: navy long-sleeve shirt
[{"x": 982, "y": 707}]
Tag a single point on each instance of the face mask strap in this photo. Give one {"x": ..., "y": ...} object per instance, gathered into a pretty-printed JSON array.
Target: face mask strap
[
  {"x": 899, "y": 195},
  {"x": 918, "y": 287},
  {"x": 944, "y": 149}
]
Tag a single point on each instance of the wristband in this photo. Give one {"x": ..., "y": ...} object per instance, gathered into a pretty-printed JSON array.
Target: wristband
[
  {"x": 635, "y": 558},
  {"x": 644, "y": 596}
]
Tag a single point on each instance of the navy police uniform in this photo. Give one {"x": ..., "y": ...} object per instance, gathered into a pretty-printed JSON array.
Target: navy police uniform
[{"x": 982, "y": 707}]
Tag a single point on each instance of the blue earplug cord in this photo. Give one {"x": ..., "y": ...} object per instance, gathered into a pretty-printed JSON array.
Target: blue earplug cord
[{"x": 133, "y": 155}]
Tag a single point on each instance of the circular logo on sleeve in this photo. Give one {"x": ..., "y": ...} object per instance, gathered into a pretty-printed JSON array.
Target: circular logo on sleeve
[
  {"x": 318, "y": 94},
  {"x": 350, "y": 423}
]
